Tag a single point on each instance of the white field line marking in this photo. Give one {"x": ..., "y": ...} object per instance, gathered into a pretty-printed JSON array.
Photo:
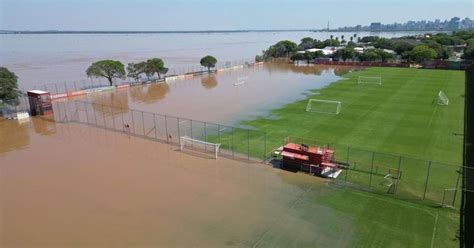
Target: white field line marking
[
  {"x": 222, "y": 129},
  {"x": 432, "y": 115},
  {"x": 435, "y": 216},
  {"x": 182, "y": 121},
  {"x": 239, "y": 83},
  {"x": 242, "y": 78}
]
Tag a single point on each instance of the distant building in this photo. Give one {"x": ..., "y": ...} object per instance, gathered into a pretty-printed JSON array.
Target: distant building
[{"x": 375, "y": 26}]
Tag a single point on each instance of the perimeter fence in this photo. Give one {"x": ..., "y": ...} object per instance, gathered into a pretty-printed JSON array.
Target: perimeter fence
[
  {"x": 402, "y": 177},
  {"x": 67, "y": 87}
]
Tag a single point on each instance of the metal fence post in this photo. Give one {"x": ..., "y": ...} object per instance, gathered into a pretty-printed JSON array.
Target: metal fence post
[
  {"x": 103, "y": 115},
  {"x": 248, "y": 144},
  {"x": 154, "y": 124},
  {"x": 348, "y": 152},
  {"x": 264, "y": 146},
  {"x": 143, "y": 124},
  {"x": 95, "y": 114},
  {"x": 457, "y": 186},
  {"x": 426, "y": 182},
  {"x": 179, "y": 132},
  {"x": 398, "y": 174},
  {"x": 371, "y": 170},
  {"x": 87, "y": 113},
  {"x": 232, "y": 141},
  {"x": 113, "y": 118},
  {"x": 166, "y": 129},
  {"x": 192, "y": 137},
  {"x": 123, "y": 121},
  {"x": 133, "y": 121}
]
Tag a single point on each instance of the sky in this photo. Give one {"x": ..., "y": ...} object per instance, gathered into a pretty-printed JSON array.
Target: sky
[{"x": 160, "y": 15}]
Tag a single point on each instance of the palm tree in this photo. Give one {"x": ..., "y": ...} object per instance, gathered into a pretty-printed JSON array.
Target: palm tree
[
  {"x": 355, "y": 35},
  {"x": 351, "y": 38},
  {"x": 331, "y": 36},
  {"x": 342, "y": 37}
]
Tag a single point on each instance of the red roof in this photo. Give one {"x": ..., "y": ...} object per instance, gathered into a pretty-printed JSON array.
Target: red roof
[{"x": 294, "y": 155}]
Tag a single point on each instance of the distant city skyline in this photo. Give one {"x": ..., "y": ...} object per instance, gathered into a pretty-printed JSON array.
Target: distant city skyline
[{"x": 163, "y": 15}]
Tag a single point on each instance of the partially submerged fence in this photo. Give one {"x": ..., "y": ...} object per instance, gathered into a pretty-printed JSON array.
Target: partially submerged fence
[
  {"x": 236, "y": 142},
  {"x": 68, "y": 87},
  {"x": 404, "y": 177},
  {"x": 11, "y": 107}
]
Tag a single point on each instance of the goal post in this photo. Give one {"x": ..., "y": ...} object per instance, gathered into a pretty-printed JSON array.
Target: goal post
[
  {"x": 449, "y": 198},
  {"x": 323, "y": 106},
  {"x": 195, "y": 144},
  {"x": 369, "y": 80},
  {"x": 442, "y": 99}
]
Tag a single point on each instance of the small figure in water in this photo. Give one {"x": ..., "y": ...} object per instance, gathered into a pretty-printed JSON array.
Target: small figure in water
[
  {"x": 127, "y": 129},
  {"x": 170, "y": 138}
]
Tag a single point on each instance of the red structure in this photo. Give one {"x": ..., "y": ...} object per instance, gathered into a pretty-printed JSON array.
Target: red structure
[
  {"x": 40, "y": 102},
  {"x": 314, "y": 160}
]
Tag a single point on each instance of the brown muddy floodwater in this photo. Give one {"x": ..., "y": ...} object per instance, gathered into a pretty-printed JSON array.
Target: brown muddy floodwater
[
  {"x": 227, "y": 97},
  {"x": 71, "y": 185}
]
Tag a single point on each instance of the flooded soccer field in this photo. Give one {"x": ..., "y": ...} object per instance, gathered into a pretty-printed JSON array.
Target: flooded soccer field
[
  {"x": 74, "y": 185},
  {"x": 90, "y": 184},
  {"x": 226, "y": 97}
]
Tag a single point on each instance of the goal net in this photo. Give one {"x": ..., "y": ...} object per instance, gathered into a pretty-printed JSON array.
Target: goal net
[
  {"x": 449, "y": 198},
  {"x": 323, "y": 106},
  {"x": 370, "y": 80},
  {"x": 195, "y": 144},
  {"x": 442, "y": 99}
]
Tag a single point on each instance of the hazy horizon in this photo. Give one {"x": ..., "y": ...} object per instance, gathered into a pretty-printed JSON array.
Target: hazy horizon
[{"x": 190, "y": 15}]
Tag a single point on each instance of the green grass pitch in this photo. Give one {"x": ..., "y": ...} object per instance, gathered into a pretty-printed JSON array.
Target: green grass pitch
[{"x": 399, "y": 121}]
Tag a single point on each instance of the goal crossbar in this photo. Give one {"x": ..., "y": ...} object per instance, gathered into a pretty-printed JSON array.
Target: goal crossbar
[
  {"x": 184, "y": 140},
  {"x": 309, "y": 106},
  {"x": 369, "y": 80}
]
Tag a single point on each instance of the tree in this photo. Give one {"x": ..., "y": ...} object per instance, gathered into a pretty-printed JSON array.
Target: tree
[
  {"x": 383, "y": 43},
  {"x": 469, "y": 53},
  {"x": 259, "y": 58},
  {"x": 134, "y": 70},
  {"x": 422, "y": 53},
  {"x": 384, "y": 56},
  {"x": 8, "y": 85},
  {"x": 442, "y": 51},
  {"x": 402, "y": 46},
  {"x": 209, "y": 62},
  {"x": 345, "y": 53},
  {"x": 298, "y": 57},
  {"x": 331, "y": 36},
  {"x": 155, "y": 65},
  {"x": 108, "y": 69},
  {"x": 369, "y": 55},
  {"x": 306, "y": 43},
  {"x": 282, "y": 48}
]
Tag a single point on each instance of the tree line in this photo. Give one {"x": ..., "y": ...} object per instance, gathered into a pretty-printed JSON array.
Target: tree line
[
  {"x": 410, "y": 48},
  {"x": 112, "y": 69}
]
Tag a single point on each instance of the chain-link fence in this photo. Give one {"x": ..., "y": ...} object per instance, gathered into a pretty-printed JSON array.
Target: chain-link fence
[
  {"x": 9, "y": 108},
  {"x": 236, "y": 142},
  {"x": 402, "y": 177},
  {"x": 92, "y": 83}
]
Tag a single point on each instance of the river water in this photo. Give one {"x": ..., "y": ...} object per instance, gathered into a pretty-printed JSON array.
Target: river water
[{"x": 40, "y": 59}]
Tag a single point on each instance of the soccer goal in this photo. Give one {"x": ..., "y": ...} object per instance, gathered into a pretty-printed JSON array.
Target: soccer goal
[
  {"x": 203, "y": 146},
  {"x": 369, "y": 80},
  {"x": 449, "y": 198},
  {"x": 442, "y": 99},
  {"x": 323, "y": 106}
]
